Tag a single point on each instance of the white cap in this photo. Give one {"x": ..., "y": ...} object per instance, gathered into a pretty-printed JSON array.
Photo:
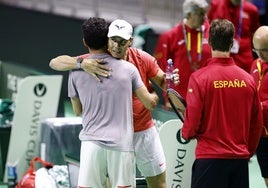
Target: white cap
[{"x": 120, "y": 28}]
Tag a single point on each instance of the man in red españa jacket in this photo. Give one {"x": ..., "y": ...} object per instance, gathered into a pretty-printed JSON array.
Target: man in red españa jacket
[
  {"x": 224, "y": 115},
  {"x": 259, "y": 71},
  {"x": 245, "y": 17}
]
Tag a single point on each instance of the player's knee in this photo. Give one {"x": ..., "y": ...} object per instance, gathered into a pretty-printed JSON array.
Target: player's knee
[{"x": 158, "y": 181}]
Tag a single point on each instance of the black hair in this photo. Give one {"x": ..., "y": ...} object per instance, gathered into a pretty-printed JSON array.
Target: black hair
[{"x": 95, "y": 32}]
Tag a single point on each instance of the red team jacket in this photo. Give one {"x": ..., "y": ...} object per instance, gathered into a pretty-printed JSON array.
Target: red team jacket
[
  {"x": 223, "y": 111},
  {"x": 260, "y": 75},
  {"x": 171, "y": 44},
  {"x": 250, "y": 22}
]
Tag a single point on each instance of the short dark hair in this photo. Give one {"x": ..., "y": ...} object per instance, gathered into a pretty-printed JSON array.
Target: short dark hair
[
  {"x": 95, "y": 32},
  {"x": 221, "y": 34}
]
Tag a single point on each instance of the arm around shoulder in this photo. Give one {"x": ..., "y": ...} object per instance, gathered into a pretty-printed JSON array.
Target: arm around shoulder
[{"x": 63, "y": 63}]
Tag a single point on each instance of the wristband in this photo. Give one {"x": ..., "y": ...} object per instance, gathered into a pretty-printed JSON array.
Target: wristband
[{"x": 78, "y": 62}]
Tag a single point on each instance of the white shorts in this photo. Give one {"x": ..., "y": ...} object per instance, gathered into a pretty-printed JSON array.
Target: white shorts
[
  {"x": 150, "y": 158},
  {"x": 98, "y": 163}
]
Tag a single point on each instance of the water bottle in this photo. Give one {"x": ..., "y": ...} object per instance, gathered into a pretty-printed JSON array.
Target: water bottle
[{"x": 169, "y": 73}]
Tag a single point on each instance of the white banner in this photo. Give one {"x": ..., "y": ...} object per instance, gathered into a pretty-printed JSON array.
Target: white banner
[
  {"x": 179, "y": 155},
  {"x": 36, "y": 100}
]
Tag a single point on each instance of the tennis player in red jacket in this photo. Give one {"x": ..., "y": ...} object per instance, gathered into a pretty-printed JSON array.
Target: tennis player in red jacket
[{"x": 224, "y": 115}]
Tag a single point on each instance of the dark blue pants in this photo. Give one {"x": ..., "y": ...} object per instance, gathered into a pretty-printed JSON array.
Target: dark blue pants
[
  {"x": 262, "y": 156},
  {"x": 220, "y": 173}
]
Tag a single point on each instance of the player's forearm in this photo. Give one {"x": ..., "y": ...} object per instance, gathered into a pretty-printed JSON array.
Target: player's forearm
[
  {"x": 63, "y": 63},
  {"x": 159, "y": 79},
  {"x": 149, "y": 100},
  {"x": 154, "y": 100}
]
